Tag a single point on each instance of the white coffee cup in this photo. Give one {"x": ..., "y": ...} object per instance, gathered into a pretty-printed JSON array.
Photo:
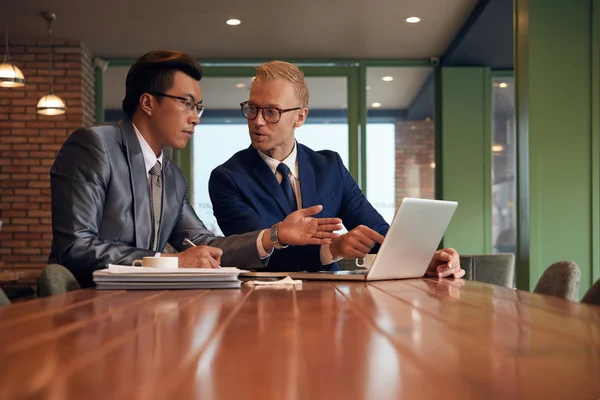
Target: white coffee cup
[
  {"x": 366, "y": 262},
  {"x": 157, "y": 262}
]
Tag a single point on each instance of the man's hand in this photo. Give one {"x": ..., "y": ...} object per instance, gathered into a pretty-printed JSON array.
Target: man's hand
[
  {"x": 445, "y": 264},
  {"x": 299, "y": 228},
  {"x": 356, "y": 243},
  {"x": 198, "y": 257}
]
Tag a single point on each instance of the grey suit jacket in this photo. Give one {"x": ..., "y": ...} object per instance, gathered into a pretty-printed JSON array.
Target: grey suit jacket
[{"x": 101, "y": 206}]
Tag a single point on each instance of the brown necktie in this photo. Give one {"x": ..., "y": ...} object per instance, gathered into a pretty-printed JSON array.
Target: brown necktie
[{"x": 155, "y": 189}]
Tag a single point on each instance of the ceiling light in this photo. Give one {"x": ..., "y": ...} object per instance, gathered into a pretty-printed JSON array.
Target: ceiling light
[
  {"x": 503, "y": 85},
  {"x": 50, "y": 104},
  {"x": 240, "y": 85},
  {"x": 233, "y": 22},
  {"x": 413, "y": 20},
  {"x": 375, "y": 105},
  {"x": 497, "y": 148},
  {"x": 10, "y": 75},
  {"x": 387, "y": 78}
]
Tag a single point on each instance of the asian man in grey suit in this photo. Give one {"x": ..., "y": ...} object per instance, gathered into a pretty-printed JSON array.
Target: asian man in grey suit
[{"x": 116, "y": 198}]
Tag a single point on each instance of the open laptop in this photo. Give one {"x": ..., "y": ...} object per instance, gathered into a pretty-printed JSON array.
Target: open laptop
[{"x": 409, "y": 245}]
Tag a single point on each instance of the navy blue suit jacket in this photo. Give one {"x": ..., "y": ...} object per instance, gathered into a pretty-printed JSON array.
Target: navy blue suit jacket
[{"x": 247, "y": 197}]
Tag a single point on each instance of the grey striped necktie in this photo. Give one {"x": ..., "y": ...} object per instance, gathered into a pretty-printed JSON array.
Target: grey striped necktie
[{"x": 155, "y": 189}]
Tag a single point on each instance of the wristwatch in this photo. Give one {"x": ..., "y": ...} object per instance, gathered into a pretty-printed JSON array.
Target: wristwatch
[{"x": 274, "y": 234}]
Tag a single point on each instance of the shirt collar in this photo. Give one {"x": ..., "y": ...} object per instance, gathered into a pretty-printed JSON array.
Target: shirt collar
[
  {"x": 291, "y": 161},
  {"x": 149, "y": 156}
]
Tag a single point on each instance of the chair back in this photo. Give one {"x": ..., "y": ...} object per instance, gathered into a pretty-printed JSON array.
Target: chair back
[
  {"x": 560, "y": 279},
  {"x": 4, "y": 301},
  {"x": 497, "y": 269},
  {"x": 56, "y": 279},
  {"x": 592, "y": 296}
]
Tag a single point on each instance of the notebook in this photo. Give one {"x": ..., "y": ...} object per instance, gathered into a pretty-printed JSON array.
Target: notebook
[{"x": 128, "y": 277}]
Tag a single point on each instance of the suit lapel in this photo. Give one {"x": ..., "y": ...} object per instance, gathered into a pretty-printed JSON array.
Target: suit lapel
[
  {"x": 262, "y": 174},
  {"x": 139, "y": 184},
  {"x": 308, "y": 188},
  {"x": 169, "y": 200}
]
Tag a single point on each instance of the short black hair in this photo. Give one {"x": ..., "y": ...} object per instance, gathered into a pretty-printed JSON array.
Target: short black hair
[{"x": 153, "y": 72}]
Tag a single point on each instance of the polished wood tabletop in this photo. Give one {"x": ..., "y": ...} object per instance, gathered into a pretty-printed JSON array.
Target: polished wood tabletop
[{"x": 423, "y": 338}]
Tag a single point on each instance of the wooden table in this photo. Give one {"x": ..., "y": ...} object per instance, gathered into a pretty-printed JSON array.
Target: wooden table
[{"x": 386, "y": 340}]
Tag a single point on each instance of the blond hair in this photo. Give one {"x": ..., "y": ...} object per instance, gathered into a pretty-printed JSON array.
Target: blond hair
[{"x": 273, "y": 70}]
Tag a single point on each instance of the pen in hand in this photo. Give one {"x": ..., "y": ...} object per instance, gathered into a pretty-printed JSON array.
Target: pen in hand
[{"x": 188, "y": 241}]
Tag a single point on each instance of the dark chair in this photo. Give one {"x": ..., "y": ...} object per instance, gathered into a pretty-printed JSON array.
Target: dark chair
[
  {"x": 4, "y": 301},
  {"x": 560, "y": 279},
  {"x": 56, "y": 279},
  {"x": 592, "y": 296},
  {"x": 497, "y": 269},
  {"x": 466, "y": 262}
]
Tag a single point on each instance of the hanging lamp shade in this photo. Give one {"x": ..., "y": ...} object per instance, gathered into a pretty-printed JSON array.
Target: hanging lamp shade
[
  {"x": 51, "y": 104},
  {"x": 10, "y": 75}
]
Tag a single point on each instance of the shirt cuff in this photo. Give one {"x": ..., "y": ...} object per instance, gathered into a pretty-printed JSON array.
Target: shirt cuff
[
  {"x": 326, "y": 256},
  {"x": 262, "y": 254}
]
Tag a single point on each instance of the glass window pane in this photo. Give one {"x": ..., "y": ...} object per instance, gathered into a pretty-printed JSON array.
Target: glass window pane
[
  {"x": 400, "y": 136},
  {"x": 504, "y": 184}
]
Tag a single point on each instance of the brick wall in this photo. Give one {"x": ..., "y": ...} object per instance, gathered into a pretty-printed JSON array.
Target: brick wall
[
  {"x": 415, "y": 156},
  {"x": 29, "y": 142}
]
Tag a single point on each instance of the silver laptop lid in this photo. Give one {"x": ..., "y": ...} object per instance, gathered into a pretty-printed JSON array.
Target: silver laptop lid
[{"x": 413, "y": 237}]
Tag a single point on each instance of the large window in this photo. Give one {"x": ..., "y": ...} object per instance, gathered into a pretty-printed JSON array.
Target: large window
[
  {"x": 504, "y": 216},
  {"x": 400, "y": 136}
]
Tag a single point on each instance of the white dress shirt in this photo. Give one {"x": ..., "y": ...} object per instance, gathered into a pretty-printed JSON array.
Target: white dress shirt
[
  {"x": 292, "y": 163},
  {"x": 150, "y": 158}
]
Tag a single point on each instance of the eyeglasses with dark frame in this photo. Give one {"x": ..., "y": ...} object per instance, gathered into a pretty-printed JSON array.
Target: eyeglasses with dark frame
[
  {"x": 188, "y": 103},
  {"x": 270, "y": 114}
]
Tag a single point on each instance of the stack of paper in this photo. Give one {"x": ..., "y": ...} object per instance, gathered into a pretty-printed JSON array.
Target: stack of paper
[{"x": 128, "y": 277}]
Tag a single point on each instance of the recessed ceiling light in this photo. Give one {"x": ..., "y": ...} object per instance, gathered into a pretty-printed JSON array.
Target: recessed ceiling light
[
  {"x": 375, "y": 105},
  {"x": 387, "y": 78},
  {"x": 503, "y": 85},
  {"x": 240, "y": 85},
  {"x": 497, "y": 148},
  {"x": 413, "y": 20},
  {"x": 233, "y": 22}
]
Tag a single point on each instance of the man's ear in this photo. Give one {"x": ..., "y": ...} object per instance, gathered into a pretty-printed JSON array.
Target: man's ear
[
  {"x": 301, "y": 118},
  {"x": 147, "y": 103}
]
